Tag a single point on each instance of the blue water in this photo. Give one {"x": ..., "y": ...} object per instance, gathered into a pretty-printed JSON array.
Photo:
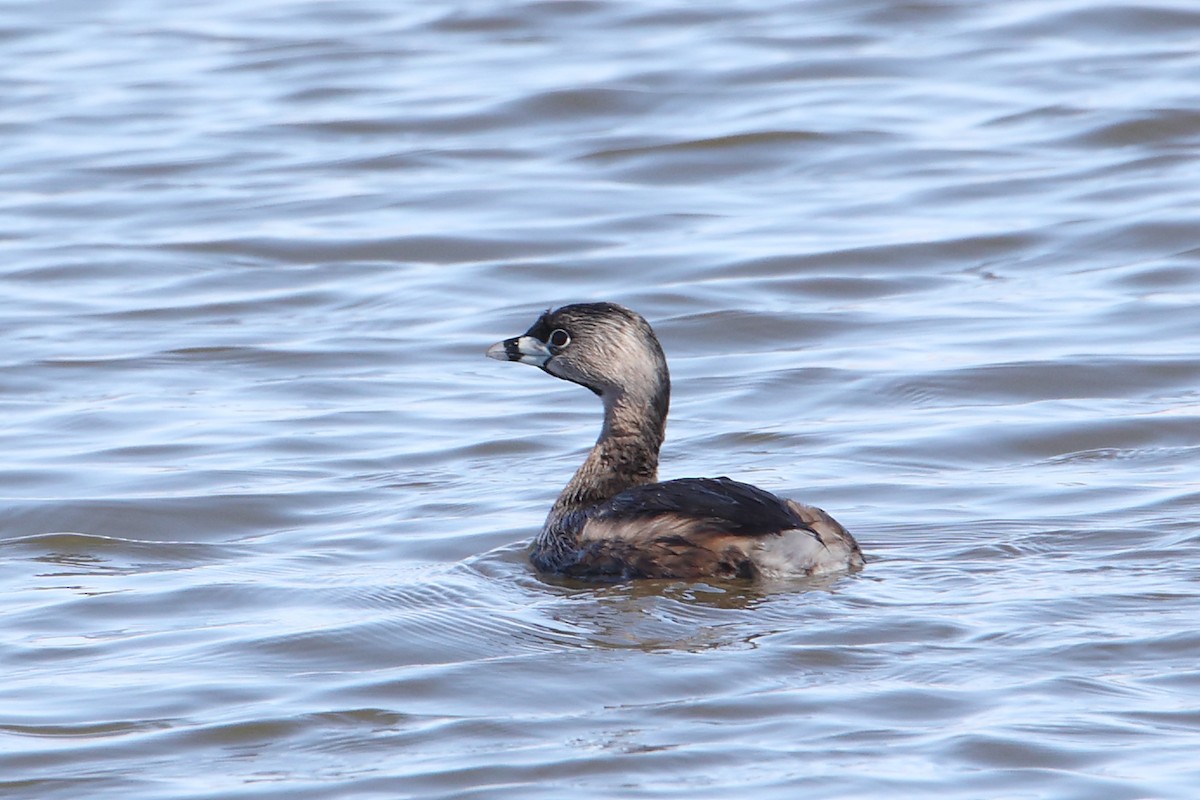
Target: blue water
[{"x": 264, "y": 503}]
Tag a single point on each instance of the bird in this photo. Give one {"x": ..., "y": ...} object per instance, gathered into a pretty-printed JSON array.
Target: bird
[{"x": 614, "y": 520}]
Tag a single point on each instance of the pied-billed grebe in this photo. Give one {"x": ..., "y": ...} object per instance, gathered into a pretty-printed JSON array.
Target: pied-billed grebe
[{"x": 614, "y": 520}]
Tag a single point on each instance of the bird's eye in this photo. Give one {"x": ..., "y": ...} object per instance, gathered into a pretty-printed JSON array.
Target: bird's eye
[{"x": 559, "y": 338}]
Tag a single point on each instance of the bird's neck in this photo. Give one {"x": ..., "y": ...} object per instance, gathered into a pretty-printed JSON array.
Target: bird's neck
[{"x": 625, "y": 455}]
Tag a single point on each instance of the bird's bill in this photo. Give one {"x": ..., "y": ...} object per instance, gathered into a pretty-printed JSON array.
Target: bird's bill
[{"x": 525, "y": 349}]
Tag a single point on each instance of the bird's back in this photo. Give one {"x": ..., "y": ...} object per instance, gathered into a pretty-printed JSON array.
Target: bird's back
[{"x": 703, "y": 527}]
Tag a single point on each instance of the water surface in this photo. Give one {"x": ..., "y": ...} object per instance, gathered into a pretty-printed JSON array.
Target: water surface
[{"x": 932, "y": 266}]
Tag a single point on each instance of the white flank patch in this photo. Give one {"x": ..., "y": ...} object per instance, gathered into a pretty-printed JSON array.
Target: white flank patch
[{"x": 797, "y": 552}]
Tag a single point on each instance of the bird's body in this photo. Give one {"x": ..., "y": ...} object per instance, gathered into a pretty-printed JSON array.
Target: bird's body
[{"x": 614, "y": 519}]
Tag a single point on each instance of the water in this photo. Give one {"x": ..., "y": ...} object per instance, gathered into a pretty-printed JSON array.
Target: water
[{"x": 932, "y": 266}]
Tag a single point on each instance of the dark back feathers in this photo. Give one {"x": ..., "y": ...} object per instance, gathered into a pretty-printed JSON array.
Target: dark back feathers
[{"x": 725, "y": 505}]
